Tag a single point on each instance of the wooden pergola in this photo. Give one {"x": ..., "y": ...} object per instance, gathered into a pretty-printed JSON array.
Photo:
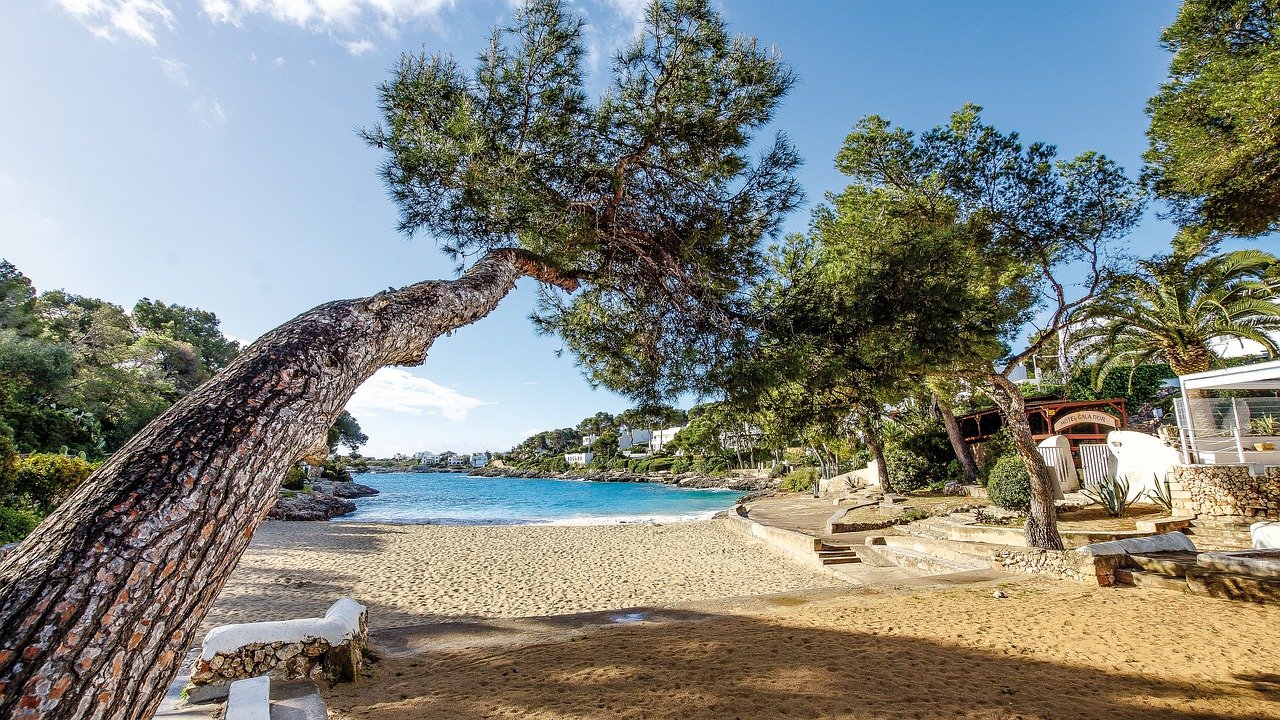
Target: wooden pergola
[{"x": 1081, "y": 421}]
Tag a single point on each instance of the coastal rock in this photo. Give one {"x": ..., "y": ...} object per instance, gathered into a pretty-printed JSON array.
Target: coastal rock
[
  {"x": 310, "y": 506},
  {"x": 350, "y": 489},
  {"x": 685, "y": 480}
]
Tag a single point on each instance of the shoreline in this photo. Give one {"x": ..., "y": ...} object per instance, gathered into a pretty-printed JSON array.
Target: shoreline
[{"x": 415, "y": 574}]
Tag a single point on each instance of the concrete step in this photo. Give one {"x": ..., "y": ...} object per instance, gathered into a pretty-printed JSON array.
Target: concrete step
[
  {"x": 1234, "y": 587},
  {"x": 837, "y": 555},
  {"x": 297, "y": 700},
  {"x": 1151, "y": 580},
  {"x": 960, "y": 555},
  {"x": 888, "y": 555},
  {"x": 249, "y": 699},
  {"x": 1172, "y": 564}
]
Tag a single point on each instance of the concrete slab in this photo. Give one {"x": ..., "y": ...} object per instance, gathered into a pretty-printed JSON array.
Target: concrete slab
[{"x": 249, "y": 699}]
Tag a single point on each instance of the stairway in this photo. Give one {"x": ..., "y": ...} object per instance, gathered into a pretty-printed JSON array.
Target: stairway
[
  {"x": 1221, "y": 533},
  {"x": 837, "y": 554},
  {"x": 930, "y": 555},
  {"x": 1216, "y": 575}
]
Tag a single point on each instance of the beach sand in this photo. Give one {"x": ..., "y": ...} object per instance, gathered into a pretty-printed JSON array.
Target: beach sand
[
  {"x": 413, "y": 574},
  {"x": 1051, "y": 650},
  {"x": 816, "y": 648}
]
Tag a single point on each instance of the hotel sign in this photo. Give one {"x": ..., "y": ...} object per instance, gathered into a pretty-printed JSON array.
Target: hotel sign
[{"x": 1086, "y": 416}]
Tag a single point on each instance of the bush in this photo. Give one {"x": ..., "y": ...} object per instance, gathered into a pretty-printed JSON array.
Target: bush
[
  {"x": 996, "y": 448},
  {"x": 16, "y": 524},
  {"x": 680, "y": 465},
  {"x": 659, "y": 464},
  {"x": 294, "y": 478},
  {"x": 777, "y": 471},
  {"x": 1009, "y": 485},
  {"x": 711, "y": 465},
  {"x": 800, "y": 480},
  {"x": 909, "y": 471},
  {"x": 45, "y": 480}
]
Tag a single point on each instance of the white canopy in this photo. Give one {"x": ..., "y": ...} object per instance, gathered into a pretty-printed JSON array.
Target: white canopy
[{"x": 1259, "y": 376}]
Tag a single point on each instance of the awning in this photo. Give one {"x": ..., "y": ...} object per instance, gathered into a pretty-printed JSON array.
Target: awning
[{"x": 1259, "y": 376}]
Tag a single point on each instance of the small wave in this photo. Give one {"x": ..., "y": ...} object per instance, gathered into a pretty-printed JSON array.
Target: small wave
[{"x": 630, "y": 519}]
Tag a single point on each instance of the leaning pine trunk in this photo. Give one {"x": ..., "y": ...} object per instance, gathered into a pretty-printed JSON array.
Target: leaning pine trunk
[
  {"x": 961, "y": 448},
  {"x": 99, "y": 605},
  {"x": 1042, "y": 521}
]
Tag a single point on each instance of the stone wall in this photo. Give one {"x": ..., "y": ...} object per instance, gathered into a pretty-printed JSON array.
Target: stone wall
[
  {"x": 292, "y": 648},
  {"x": 1225, "y": 491},
  {"x": 1059, "y": 564}
]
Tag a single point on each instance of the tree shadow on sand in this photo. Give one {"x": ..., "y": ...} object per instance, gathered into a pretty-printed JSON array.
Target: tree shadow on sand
[{"x": 732, "y": 666}]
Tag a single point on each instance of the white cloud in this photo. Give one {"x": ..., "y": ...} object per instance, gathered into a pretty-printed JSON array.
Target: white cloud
[
  {"x": 357, "y": 47},
  {"x": 325, "y": 15},
  {"x": 175, "y": 70},
  {"x": 279, "y": 61},
  {"x": 398, "y": 390},
  {"x": 109, "y": 19},
  {"x": 210, "y": 111}
]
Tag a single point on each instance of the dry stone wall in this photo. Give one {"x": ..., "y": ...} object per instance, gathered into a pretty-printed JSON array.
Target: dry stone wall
[{"x": 1225, "y": 491}]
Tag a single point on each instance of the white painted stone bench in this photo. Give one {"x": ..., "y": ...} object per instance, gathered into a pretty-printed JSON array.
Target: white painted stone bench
[
  {"x": 293, "y": 647},
  {"x": 1265, "y": 535}
]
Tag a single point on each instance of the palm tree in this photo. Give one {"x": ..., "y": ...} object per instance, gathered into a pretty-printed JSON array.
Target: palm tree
[{"x": 1173, "y": 308}]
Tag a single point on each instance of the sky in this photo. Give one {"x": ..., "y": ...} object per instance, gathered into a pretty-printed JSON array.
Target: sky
[{"x": 205, "y": 152}]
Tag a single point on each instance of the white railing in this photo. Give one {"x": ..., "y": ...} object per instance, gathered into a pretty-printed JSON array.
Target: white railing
[{"x": 1229, "y": 430}]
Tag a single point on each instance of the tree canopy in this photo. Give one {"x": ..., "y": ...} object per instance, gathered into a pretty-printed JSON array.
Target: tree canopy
[
  {"x": 1215, "y": 124},
  {"x": 647, "y": 196}
]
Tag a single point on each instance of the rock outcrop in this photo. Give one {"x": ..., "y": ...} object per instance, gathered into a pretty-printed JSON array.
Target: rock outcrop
[{"x": 685, "y": 480}]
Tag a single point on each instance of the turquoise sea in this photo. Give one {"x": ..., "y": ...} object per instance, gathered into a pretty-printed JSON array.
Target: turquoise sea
[{"x": 457, "y": 499}]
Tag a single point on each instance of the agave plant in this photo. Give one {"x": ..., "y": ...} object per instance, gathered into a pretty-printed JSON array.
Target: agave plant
[
  {"x": 1111, "y": 493},
  {"x": 1265, "y": 425},
  {"x": 1161, "y": 495}
]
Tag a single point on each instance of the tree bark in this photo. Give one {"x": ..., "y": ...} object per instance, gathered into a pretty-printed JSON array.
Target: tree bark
[
  {"x": 870, "y": 434},
  {"x": 961, "y": 448},
  {"x": 1042, "y": 521},
  {"x": 99, "y": 605}
]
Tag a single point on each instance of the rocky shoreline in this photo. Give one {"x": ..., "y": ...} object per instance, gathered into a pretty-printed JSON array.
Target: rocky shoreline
[
  {"x": 323, "y": 500},
  {"x": 684, "y": 480}
]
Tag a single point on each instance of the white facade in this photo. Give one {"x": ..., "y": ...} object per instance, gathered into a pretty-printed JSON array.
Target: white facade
[
  {"x": 662, "y": 437},
  {"x": 582, "y": 458},
  {"x": 480, "y": 459},
  {"x": 457, "y": 461},
  {"x": 428, "y": 458}
]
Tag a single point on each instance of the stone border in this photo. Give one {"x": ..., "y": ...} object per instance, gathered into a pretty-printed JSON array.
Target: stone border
[{"x": 799, "y": 547}]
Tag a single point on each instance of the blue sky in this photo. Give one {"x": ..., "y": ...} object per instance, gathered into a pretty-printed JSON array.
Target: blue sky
[{"x": 204, "y": 152}]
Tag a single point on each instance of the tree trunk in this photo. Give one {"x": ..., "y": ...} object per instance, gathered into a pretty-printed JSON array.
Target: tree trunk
[
  {"x": 869, "y": 430},
  {"x": 99, "y": 605},
  {"x": 961, "y": 448},
  {"x": 1042, "y": 522}
]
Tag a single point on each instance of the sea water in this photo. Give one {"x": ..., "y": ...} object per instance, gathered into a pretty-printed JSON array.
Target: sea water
[{"x": 459, "y": 499}]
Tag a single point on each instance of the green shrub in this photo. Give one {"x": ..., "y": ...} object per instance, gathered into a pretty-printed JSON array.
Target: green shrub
[
  {"x": 16, "y": 524},
  {"x": 800, "y": 480},
  {"x": 711, "y": 464},
  {"x": 1009, "y": 485},
  {"x": 659, "y": 464},
  {"x": 777, "y": 471},
  {"x": 680, "y": 465},
  {"x": 44, "y": 479},
  {"x": 909, "y": 471},
  {"x": 294, "y": 478},
  {"x": 997, "y": 447}
]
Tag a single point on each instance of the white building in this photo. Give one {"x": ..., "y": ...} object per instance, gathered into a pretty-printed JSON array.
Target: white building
[
  {"x": 662, "y": 437},
  {"x": 479, "y": 459},
  {"x": 428, "y": 458},
  {"x": 582, "y": 458},
  {"x": 457, "y": 461}
]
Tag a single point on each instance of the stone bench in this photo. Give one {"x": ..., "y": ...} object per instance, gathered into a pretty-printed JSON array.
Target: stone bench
[{"x": 335, "y": 642}]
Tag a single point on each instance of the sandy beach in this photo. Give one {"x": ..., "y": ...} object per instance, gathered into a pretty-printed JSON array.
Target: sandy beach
[
  {"x": 1049, "y": 651},
  {"x": 736, "y": 631},
  {"x": 413, "y": 574}
]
